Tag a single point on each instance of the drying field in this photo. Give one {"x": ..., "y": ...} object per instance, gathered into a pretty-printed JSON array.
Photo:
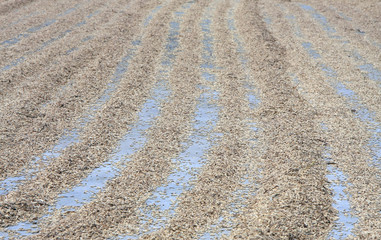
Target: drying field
[{"x": 190, "y": 119}]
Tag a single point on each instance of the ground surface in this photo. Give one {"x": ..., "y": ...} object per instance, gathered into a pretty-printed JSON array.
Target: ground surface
[{"x": 178, "y": 119}]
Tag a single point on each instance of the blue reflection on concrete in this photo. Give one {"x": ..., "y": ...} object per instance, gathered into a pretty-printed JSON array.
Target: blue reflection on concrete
[
  {"x": 149, "y": 18},
  {"x": 354, "y": 101},
  {"x": 360, "y": 111}
]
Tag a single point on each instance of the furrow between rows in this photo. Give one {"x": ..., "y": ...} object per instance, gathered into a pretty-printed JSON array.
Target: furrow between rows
[
  {"x": 32, "y": 126},
  {"x": 96, "y": 140},
  {"x": 8, "y": 6},
  {"x": 157, "y": 131},
  {"x": 14, "y": 36},
  {"x": 248, "y": 184},
  {"x": 20, "y": 70},
  {"x": 22, "y": 49},
  {"x": 352, "y": 22},
  {"x": 72, "y": 137},
  {"x": 213, "y": 189},
  {"x": 149, "y": 165},
  {"x": 294, "y": 199},
  {"x": 346, "y": 136},
  {"x": 84, "y": 192},
  {"x": 356, "y": 71},
  {"x": 24, "y": 17},
  {"x": 354, "y": 100}
]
